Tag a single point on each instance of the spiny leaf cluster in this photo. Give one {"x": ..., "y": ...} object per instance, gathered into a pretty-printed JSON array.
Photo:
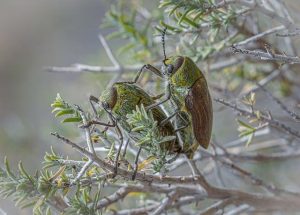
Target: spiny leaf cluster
[
  {"x": 129, "y": 24},
  {"x": 62, "y": 108},
  {"x": 46, "y": 187},
  {"x": 85, "y": 202},
  {"x": 184, "y": 19},
  {"x": 146, "y": 130}
]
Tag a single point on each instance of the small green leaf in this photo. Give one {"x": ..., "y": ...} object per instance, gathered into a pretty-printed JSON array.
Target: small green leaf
[
  {"x": 246, "y": 133},
  {"x": 167, "y": 139},
  {"x": 64, "y": 112},
  {"x": 139, "y": 128},
  {"x": 249, "y": 139},
  {"x": 72, "y": 119},
  {"x": 245, "y": 125},
  {"x": 57, "y": 105}
]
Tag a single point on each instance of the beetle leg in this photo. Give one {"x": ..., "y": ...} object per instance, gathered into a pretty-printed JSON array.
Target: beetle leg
[
  {"x": 93, "y": 100},
  {"x": 184, "y": 122},
  {"x": 119, "y": 133},
  {"x": 173, "y": 158},
  {"x": 114, "y": 124},
  {"x": 166, "y": 120},
  {"x": 168, "y": 97},
  {"x": 158, "y": 96},
  {"x": 148, "y": 67},
  {"x": 136, "y": 164},
  {"x": 143, "y": 68},
  {"x": 180, "y": 128}
]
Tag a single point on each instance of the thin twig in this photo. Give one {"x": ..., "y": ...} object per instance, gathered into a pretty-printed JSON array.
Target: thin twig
[
  {"x": 82, "y": 171},
  {"x": 263, "y": 82},
  {"x": 220, "y": 205},
  {"x": 262, "y": 117},
  {"x": 238, "y": 210},
  {"x": 87, "y": 131},
  {"x": 70, "y": 162},
  {"x": 295, "y": 116},
  {"x": 260, "y": 35},
  {"x": 272, "y": 14},
  {"x": 109, "y": 53},
  {"x": 262, "y": 157},
  {"x": 119, "y": 194},
  {"x": 145, "y": 210},
  {"x": 289, "y": 34},
  {"x": 255, "y": 180},
  {"x": 81, "y": 68},
  {"x": 89, "y": 144},
  {"x": 267, "y": 56},
  {"x": 165, "y": 202},
  {"x": 113, "y": 59},
  {"x": 224, "y": 63}
]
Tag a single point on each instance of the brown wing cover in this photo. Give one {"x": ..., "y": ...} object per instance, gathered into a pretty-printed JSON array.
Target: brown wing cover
[{"x": 199, "y": 105}]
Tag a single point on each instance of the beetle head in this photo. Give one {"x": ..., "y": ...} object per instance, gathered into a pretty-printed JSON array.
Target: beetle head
[
  {"x": 108, "y": 98},
  {"x": 171, "y": 65}
]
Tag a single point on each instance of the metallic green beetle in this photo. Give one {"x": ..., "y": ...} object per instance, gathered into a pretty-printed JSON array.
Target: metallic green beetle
[
  {"x": 121, "y": 99},
  {"x": 187, "y": 88}
]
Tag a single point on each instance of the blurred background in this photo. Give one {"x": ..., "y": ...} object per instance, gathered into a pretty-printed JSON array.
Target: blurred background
[
  {"x": 39, "y": 33},
  {"x": 35, "y": 34}
]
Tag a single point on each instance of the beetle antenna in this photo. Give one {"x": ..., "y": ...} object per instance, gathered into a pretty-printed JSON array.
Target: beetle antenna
[{"x": 164, "y": 44}]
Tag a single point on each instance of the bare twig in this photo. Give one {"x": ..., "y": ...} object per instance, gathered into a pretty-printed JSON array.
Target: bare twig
[
  {"x": 260, "y": 35},
  {"x": 89, "y": 144},
  {"x": 224, "y": 63},
  {"x": 257, "y": 181},
  {"x": 109, "y": 53},
  {"x": 113, "y": 59},
  {"x": 264, "y": 118},
  {"x": 267, "y": 56},
  {"x": 238, "y": 210},
  {"x": 289, "y": 34},
  {"x": 80, "y": 68},
  {"x": 262, "y": 157},
  {"x": 82, "y": 171},
  {"x": 165, "y": 202},
  {"x": 87, "y": 131},
  {"x": 295, "y": 116},
  {"x": 119, "y": 194},
  {"x": 220, "y": 205},
  {"x": 71, "y": 162},
  {"x": 145, "y": 210},
  {"x": 263, "y": 82},
  {"x": 272, "y": 14}
]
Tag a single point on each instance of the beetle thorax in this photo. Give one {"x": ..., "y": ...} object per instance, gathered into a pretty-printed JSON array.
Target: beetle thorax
[{"x": 187, "y": 74}]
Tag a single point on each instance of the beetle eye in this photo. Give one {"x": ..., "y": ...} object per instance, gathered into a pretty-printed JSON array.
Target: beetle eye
[{"x": 170, "y": 69}]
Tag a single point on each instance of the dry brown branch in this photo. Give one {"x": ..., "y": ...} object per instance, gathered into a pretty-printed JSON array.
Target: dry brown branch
[{"x": 257, "y": 200}]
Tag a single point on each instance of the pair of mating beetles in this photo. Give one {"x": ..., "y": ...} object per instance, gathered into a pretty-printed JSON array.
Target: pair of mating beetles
[{"x": 188, "y": 92}]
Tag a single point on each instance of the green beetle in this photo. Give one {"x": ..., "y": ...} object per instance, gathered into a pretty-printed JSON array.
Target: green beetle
[
  {"x": 188, "y": 89},
  {"x": 121, "y": 99}
]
